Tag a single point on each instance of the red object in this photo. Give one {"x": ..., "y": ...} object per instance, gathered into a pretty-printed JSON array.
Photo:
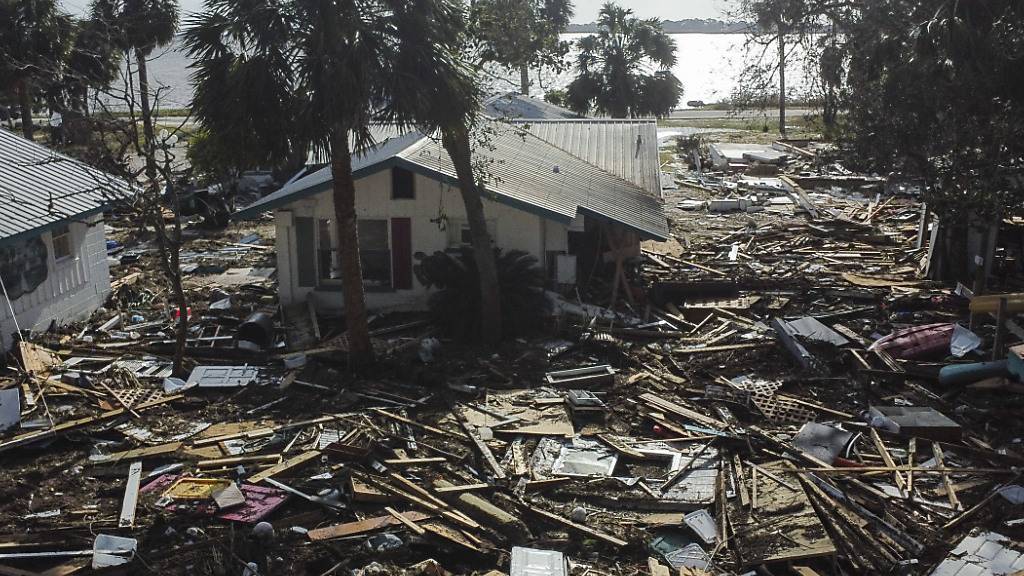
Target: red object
[
  {"x": 259, "y": 501},
  {"x": 177, "y": 312},
  {"x": 919, "y": 342},
  {"x": 401, "y": 253},
  {"x": 844, "y": 463}
]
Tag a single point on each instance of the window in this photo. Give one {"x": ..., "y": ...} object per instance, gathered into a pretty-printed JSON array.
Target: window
[
  {"x": 326, "y": 251},
  {"x": 374, "y": 253},
  {"x": 459, "y": 235},
  {"x": 61, "y": 243},
  {"x": 403, "y": 184}
]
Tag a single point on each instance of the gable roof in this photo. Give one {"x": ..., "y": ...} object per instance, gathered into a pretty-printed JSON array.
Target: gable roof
[
  {"x": 525, "y": 172},
  {"x": 41, "y": 189},
  {"x": 626, "y": 148},
  {"x": 514, "y": 106}
]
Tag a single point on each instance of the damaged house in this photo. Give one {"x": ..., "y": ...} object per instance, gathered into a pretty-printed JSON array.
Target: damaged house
[
  {"x": 571, "y": 192},
  {"x": 53, "y": 255}
]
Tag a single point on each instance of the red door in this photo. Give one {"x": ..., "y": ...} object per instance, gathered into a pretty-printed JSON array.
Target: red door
[{"x": 401, "y": 253}]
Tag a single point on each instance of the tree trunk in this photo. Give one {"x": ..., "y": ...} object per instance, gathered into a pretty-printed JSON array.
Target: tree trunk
[
  {"x": 25, "y": 101},
  {"x": 782, "y": 81},
  {"x": 524, "y": 79},
  {"x": 147, "y": 117},
  {"x": 169, "y": 250},
  {"x": 456, "y": 142},
  {"x": 344, "y": 197}
]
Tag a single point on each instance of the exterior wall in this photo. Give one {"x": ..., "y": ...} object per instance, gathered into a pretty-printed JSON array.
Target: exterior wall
[
  {"x": 511, "y": 228},
  {"x": 74, "y": 286}
]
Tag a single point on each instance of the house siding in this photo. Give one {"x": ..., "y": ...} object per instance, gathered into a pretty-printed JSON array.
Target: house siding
[
  {"x": 512, "y": 229},
  {"x": 74, "y": 287}
]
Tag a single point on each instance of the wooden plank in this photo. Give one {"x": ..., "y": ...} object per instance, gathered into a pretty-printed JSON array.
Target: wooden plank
[
  {"x": 416, "y": 424},
  {"x": 293, "y": 462},
  {"x": 423, "y": 492},
  {"x": 946, "y": 481},
  {"x": 482, "y": 449},
  {"x": 911, "y": 451},
  {"x": 363, "y": 526},
  {"x": 887, "y": 458},
  {"x": 566, "y": 523},
  {"x": 415, "y": 461},
  {"x": 681, "y": 411},
  {"x": 140, "y": 453},
  {"x": 407, "y": 522},
  {"x": 620, "y": 447},
  {"x": 64, "y": 427},
  {"x": 131, "y": 496},
  {"x": 724, "y": 348},
  {"x": 463, "y": 488}
]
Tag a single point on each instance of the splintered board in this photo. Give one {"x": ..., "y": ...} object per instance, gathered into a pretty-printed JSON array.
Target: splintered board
[{"x": 778, "y": 524}]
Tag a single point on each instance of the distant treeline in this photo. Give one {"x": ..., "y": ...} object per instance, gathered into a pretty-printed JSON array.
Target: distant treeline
[{"x": 690, "y": 26}]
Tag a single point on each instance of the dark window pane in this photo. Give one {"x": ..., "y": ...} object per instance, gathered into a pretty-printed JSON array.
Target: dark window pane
[
  {"x": 403, "y": 185},
  {"x": 373, "y": 234}
]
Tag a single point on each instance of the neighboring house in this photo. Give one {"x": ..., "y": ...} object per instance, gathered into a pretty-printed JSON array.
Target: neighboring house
[
  {"x": 569, "y": 192},
  {"x": 53, "y": 253}
]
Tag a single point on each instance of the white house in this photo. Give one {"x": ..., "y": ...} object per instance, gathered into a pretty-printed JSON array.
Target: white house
[
  {"x": 53, "y": 254},
  {"x": 566, "y": 191}
]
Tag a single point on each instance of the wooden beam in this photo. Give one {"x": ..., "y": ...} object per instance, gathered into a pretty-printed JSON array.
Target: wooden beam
[
  {"x": 566, "y": 523},
  {"x": 408, "y": 523},
  {"x": 293, "y": 462},
  {"x": 65, "y": 427},
  {"x": 950, "y": 489},
  {"x": 363, "y": 526},
  {"x": 887, "y": 458}
]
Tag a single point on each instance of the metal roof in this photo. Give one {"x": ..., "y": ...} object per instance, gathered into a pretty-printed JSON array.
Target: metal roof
[
  {"x": 626, "y": 148},
  {"x": 512, "y": 106},
  {"x": 524, "y": 171},
  {"x": 40, "y": 188}
]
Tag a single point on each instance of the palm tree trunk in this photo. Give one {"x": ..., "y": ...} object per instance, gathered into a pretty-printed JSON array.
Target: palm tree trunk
[
  {"x": 782, "y": 81},
  {"x": 456, "y": 142},
  {"x": 344, "y": 197},
  {"x": 147, "y": 116},
  {"x": 524, "y": 79},
  {"x": 25, "y": 101}
]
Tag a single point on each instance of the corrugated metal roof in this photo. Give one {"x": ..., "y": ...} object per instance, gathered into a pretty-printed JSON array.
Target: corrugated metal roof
[
  {"x": 524, "y": 168},
  {"x": 626, "y": 148},
  {"x": 511, "y": 106},
  {"x": 40, "y": 188},
  {"x": 524, "y": 171}
]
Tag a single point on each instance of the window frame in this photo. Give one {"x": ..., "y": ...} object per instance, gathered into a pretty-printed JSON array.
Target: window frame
[
  {"x": 63, "y": 235},
  {"x": 410, "y": 192}
]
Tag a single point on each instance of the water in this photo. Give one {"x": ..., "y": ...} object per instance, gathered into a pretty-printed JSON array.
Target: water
[{"x": 709, "y": 66}]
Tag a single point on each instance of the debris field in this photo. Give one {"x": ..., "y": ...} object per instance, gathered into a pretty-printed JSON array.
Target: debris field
[{"x": 777, "y": 392}]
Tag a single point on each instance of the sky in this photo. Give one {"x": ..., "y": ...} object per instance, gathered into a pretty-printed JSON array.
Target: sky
[{"x": 586, "y": 10}]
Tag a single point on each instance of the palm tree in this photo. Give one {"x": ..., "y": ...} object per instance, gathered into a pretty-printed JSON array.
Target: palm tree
[
  {"x": 33, "y": 43},
  {"x": 92, "y": 63},
  {"x": 318, "y": 63},
  {"x": 434, "y": 88},
  {"x": 326, "y": 71},
  {"x": 625, "y": 69},
  {"x": 139, "y": 27}
]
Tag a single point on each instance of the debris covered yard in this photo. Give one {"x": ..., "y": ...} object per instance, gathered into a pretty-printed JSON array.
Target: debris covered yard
[{"x": 777, "y": 392}]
